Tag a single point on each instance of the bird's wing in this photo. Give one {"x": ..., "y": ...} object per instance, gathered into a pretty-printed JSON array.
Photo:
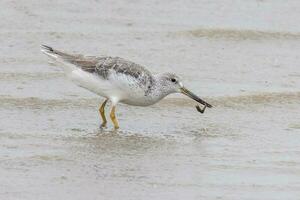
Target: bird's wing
[
  {"x": 119, "y": 71},
  {"x": 86, "y": 63},
  {"x": 119, "y": 68}
]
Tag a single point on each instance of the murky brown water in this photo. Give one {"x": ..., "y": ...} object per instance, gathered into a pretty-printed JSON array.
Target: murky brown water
[{"x": 243, "y": 57}]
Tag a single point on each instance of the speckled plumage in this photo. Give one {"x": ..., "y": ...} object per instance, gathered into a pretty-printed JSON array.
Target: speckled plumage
[
  {"x": 118, "y": 79},
  {"x": 105, "y": 66}
]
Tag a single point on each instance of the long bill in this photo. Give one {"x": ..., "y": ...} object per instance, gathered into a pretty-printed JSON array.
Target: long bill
[{"x": 193, "y": 96}]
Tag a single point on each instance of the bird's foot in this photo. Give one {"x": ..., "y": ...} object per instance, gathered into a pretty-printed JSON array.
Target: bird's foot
[
  {"x": 103, "y": 125},
  {"x": 116, "y": 127}
]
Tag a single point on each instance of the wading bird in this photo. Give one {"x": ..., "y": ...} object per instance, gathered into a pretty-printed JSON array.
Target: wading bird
[{"x": 119, "y": 80}]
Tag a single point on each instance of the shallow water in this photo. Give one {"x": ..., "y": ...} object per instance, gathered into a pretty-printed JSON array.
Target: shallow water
[{"x": 242, "y": 57}]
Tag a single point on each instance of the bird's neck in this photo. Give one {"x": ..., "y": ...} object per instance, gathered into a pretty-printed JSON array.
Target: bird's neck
[{"x": 159, "y": 91}]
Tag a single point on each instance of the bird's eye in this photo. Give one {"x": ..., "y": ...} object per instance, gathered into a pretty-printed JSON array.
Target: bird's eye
[{"x": 173, "y": 80}]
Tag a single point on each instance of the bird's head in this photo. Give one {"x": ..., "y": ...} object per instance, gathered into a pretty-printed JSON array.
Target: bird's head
[{"x": 171, "y": 83}]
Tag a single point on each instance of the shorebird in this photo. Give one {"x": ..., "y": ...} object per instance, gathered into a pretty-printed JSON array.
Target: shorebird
[{"x": 119, "y": 80}]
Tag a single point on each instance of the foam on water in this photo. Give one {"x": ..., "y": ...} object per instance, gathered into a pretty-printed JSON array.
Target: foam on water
[
  {"x": 222, "y": 101},
  {"x": 239, "y": 34}
]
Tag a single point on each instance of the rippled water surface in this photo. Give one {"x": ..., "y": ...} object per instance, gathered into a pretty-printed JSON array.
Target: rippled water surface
[{"x": 242, "y": 57}]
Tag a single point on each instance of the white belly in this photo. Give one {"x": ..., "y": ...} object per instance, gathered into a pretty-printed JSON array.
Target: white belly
[
  {"x": 138, "y": 101},
  {"x": 92, "y": 83},
  {"x": 116, "y": 89}
]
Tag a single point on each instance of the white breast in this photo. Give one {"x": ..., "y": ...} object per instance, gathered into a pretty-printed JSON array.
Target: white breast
[{"x": 118, "y": 87}]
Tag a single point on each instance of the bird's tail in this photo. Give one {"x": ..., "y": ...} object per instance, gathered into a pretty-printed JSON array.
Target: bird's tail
[{"x": 59, "y": 57}]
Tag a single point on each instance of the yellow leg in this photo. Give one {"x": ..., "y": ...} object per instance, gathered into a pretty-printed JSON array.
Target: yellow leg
[
  {"x": 102, "y": 113},
  {"x": 113, "y": 117}
]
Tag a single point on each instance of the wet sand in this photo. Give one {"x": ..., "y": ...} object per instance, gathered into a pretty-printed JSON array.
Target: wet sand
[{"x": 246, "y": 147}]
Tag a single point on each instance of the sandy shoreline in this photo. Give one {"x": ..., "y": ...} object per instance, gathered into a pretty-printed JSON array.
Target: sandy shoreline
[{"x": 243, "y": 57}]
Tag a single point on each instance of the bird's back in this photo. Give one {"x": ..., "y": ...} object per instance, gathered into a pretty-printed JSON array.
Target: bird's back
[{"x": 123, "y": 74}]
